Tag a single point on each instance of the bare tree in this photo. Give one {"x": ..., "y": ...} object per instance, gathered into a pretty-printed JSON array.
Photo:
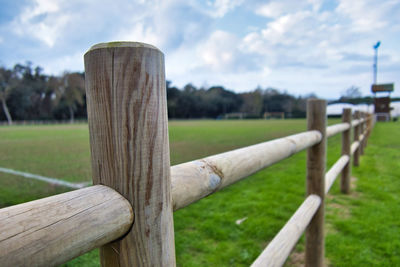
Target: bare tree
[
  {"x": 7, "y": 81},
  {"x": 351, "y": 92},
  {"x": 73, "y": 90}
]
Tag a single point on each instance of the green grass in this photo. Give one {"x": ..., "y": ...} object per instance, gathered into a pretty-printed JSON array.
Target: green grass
[
  {"x": 369, "y": 233},
  {"x": 362, "y": 227},
  {"x": 60, "y": 151}
]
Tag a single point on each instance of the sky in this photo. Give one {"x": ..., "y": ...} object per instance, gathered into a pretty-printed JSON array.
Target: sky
[{"x": 300, "y": 46}]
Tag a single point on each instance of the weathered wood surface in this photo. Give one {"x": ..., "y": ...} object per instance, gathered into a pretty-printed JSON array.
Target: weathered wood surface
[
  {"x": 53, "y": 230},
  {"x": 346, "y": 142},
  {"x": 361, "y": 138},
  {"x": 316, "y": 161},
  {"x": 356, "y": 136},
  {"x": 127, "y": 113},
  {"x": 362, "y": 131},
  {"x": 355, "y": 122},
  {"x": 194, "y": 180},
  {"x": 277, "y": 251},
  {"x": 334, "y": 171},
  {"x": 337, "y": 128},
  {"x": 354, "y": 147}
]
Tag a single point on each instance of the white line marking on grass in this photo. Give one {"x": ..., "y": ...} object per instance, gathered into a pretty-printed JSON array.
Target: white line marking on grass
[{"x": 44, "y": 179}]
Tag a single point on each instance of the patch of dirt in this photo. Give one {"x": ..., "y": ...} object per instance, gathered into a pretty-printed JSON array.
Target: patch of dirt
[
  {"x": 353, "y": 186},
  {"x": 329, "y": 228},
  {"x": 342, "y": 210},
  {"x": 297, "y": 259}
]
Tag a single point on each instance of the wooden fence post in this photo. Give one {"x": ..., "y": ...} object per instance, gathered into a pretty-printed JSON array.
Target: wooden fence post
[
  {"x": 346, "y": 145},
  {"x": 316, "y": 161},
  {"x": 127, "y": 112},
  {"x": 356, "y": 137},
  {"x": 362, "y": 129},
  {"x": 366, "y": 129},
  {"x": 370, "y": 123}
]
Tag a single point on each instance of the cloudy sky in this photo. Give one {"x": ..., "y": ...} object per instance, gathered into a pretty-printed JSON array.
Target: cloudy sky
[{"x": 300, "y": 46}]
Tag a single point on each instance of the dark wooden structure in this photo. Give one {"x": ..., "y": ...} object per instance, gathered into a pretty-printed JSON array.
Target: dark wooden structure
[{"x": 382, "y": 104}]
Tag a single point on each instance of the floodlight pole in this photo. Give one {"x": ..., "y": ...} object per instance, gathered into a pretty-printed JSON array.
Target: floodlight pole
[{"x": 376, "y": 61}]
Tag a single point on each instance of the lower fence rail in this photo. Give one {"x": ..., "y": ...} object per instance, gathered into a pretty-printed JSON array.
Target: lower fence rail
[
  {"x": 53, "y": 230},
  {"x": 277, "y": 251},
  {"x": 334, "y": 171},
  {"x": 194, "y": 180}
]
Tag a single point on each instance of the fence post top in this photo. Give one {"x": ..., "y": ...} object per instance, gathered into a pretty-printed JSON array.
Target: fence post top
[
  {"x": 316, "y": 100},
  {"x": 122, "y": 44}
]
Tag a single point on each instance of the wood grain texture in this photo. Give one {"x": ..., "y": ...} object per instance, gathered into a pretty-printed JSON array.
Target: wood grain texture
[
  {"x": 337, "y": 128},
  {"x": 334, "y": 171},
  {"x": 355, "y": 123},
  {"x": 356, "y": 136},
  {"x": 362, "y": 129},
  {"x": 370, "y": 125},
  {"x": 277, "y": 251},
  {"x": 368, "y": 128},
  {"x": 354, "y": 147},
  {"x": 316, "y": 161},
  {"x": 346, "y": 143},
  {"x": 127, "y": 113},
  {"x": 53, "y": 230},
  {"x": 194, "y": 180}
]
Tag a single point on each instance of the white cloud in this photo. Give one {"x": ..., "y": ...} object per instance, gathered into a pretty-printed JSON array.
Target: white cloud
[
  {"x": 276, "y": 9},
  {"x": 218, "y": 52},
  {"x": 220, "y": 7},
  {"x": 301, "y": 46},
  {"x": 272, "y": 9},
  {"x": 43, "y": 20},
  {"x": 68, "y": 62},
  {"x": 367, "y": 15},
  {"x": 140, "y": 33},
  {"x": 167, "y": 24}
]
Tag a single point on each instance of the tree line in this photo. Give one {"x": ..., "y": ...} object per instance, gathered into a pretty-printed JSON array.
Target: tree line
[
  {"x": 218, "y": 102},
  {"x": 26, "y": 93}
]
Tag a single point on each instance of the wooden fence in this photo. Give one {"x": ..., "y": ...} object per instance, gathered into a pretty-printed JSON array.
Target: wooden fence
[{"x": 128, "y": 211}]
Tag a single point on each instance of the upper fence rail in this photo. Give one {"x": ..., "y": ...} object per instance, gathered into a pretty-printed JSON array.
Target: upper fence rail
[{"x": 196, "y": 179}]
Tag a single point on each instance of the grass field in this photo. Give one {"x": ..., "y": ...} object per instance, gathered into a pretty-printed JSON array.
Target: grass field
[{"x": 363, "y": 228}]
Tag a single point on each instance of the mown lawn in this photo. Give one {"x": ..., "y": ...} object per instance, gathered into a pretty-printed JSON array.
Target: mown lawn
[{"x": 363, "y": 227}]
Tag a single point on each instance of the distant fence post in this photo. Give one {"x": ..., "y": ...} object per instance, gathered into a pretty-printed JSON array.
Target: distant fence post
[
  {"x": 365, "y": 129},
  {"x": 346, "y": 146},
  {"x": 362, "y": 130},
  {"x": 369, "y": 126},
  {"x": 127, "y": 111},
  {"x": 356, "y": 137},
  {"x": 316, "y": 160}
]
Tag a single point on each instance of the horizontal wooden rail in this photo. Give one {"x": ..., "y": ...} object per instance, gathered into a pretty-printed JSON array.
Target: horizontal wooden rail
[
  {"x": 356, "y": 122},
  {"x": 334, "y": 171},
  {"x": 197, "y": 179},
  {"x": 341, "y": 127},
  {"x": 354, "y": 147},
  {"x": 362, "y": 136},
  {"x": 277, "y": 251},
  {"x": 53, "y": 230},
  {"x": 337, "y": 128}
]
